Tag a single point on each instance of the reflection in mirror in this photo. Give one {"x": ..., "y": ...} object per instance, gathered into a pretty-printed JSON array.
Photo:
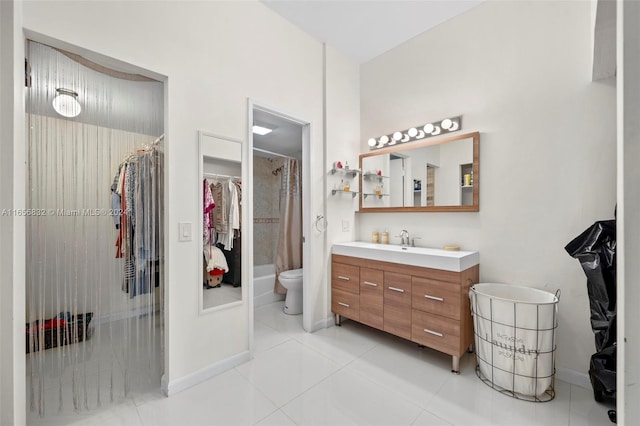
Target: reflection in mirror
[
  {"x": 220, "y": 180},
  {"x": 434, "y": 175}
]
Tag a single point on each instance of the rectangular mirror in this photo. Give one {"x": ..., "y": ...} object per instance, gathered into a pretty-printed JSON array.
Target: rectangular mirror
[
  {"x": 219, "y": 248},
  {"x": 437, "y": 174}
]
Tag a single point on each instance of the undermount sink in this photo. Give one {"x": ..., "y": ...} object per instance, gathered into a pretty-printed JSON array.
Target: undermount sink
[{"x": 456, "y": 261}]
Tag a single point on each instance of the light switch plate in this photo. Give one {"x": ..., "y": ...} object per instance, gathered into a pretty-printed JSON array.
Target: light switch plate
[
  {"x": 345, "y": 225},
  {"x": 184, "y": 232}
]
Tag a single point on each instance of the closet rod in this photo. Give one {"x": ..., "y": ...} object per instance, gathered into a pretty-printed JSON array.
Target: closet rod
[
  {"x": 158, "y": 139},
  {"x": 215, "y": 175},
  {"x": 272, "y": 153}
]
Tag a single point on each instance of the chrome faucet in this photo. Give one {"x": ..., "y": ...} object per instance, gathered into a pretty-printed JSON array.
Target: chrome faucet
[{"x": 404, "y": 238}]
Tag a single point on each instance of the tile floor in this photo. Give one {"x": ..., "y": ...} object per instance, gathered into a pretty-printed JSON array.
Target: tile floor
[{"x": 341, "y": 376}]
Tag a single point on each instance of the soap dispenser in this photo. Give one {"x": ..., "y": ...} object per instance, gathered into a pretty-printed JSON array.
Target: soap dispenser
[{"x": 385, "y": 237}]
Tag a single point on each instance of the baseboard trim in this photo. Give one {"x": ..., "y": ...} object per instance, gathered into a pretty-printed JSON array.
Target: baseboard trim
[
  {"x": 178, "y": 385},
  {"x": 573, "y": 377}
]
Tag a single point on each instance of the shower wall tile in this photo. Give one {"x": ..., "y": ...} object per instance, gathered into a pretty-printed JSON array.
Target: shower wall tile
[{"x": 266, "y": 210}]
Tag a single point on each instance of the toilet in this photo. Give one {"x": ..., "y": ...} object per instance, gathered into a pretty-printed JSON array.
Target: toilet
[{"x": 292, "y": 281}]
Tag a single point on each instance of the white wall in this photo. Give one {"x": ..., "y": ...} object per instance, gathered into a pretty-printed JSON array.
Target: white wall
[
  {"x": 12, "y": 196},
  {"x": 343, "y": 136},
  {"x": 215, "y": 55},
  {"x": 628, "y": 273},
  {"x": 520, "y": 73}
]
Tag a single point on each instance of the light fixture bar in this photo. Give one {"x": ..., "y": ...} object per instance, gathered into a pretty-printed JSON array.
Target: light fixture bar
[
  {"x": 259, "y": 130},
  {"x": 433, "y": 128}
]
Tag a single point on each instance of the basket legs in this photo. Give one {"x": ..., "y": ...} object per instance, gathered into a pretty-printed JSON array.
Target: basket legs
[
  {"x": 455, "y": 364},
  {"x": 338, "y": 323}
]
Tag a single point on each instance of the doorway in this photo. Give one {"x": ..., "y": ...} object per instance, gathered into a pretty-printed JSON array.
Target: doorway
[
  {"x": 285, "y": 144},
  {"x": 95, "y": 239}
]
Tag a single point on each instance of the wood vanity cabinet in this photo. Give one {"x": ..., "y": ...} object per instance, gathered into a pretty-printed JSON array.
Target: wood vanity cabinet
[{"x": 427, "y": 306}]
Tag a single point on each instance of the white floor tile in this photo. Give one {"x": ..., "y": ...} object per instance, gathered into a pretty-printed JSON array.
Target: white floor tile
[
  {"x": 584, "y": 409},
  {"x": 427, "y": 419},
  {"x": 341, "y": 375},
  {"x": 416, "y": 374},
  {"x": 341, "y": 344},
  {"x": 278, "y": 418},
  {"x": 265, "y": 337},
  {"x": 287, "y": 370},
  {"x": 227, "y": 399},
  {"x": 349, "y": 399},
  {"x": 273, "y": 316}
]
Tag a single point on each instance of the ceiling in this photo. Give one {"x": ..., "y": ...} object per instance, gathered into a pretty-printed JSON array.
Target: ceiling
[
  {"x": 361, "y": 30},
  {"x": 364, "y": 29}
]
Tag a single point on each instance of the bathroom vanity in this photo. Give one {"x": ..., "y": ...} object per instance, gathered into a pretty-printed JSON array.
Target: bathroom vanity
[{"x": 416, "y": 293}]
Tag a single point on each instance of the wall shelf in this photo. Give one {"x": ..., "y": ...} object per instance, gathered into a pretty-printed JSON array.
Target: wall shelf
[
  {"x": 345, "y": 172},
  {"x": 374, "y": 176},
  {"x": 375, "y": 195},
  {"x": 353, "y": 193}
]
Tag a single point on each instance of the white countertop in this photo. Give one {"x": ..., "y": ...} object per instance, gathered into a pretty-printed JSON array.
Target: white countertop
[{"x": 456, "y": 261}]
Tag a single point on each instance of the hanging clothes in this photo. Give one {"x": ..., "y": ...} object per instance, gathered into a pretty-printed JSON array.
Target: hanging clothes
[{"x": 139, "y": 189}]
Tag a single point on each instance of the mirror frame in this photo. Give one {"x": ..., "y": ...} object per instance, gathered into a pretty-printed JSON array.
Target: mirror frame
[
  {"x": 202, "y": 134},
  {"x": 428, "y": 142}
]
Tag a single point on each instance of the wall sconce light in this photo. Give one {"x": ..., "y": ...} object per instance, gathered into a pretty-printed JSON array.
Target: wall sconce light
[
  {"x": 434, "y": 128},
  {"x": 66, "y": 103}
]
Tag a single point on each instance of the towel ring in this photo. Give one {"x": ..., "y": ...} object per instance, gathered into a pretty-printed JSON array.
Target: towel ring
[{"x": 320, "y": 223}]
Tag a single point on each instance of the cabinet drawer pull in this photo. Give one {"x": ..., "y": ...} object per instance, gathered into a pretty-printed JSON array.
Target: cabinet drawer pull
[
  {"x": 396, "y": 289},
  {"x": 435, "y": 333},
  {"x": 371, "y": 284},
  {"x": 344, "y": 304},
  {"x": 439, "y": 299},
  {"x": 343, "y": 278}
]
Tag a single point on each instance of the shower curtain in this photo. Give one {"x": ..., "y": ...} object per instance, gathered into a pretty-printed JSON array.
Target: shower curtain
[{"x": 289, "y": 252}]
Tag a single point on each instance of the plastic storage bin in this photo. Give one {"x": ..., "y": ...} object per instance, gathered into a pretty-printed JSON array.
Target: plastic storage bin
[{"x": 515, "y": 333}]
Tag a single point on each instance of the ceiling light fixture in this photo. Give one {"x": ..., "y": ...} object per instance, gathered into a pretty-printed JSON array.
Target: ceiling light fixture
[
  {"x": 434, "y": 128},
  {"x": 66, "y": 103},
  {"x": 259, "y": 130}
]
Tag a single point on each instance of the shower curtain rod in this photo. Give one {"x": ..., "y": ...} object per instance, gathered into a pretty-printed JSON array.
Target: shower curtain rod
[{"x": 272, "y": 153}]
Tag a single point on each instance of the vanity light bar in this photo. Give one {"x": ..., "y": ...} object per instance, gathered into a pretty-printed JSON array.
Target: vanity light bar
[{"x": 435, "y": 128}]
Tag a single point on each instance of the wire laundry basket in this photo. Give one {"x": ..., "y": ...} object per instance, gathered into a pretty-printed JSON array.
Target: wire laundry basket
[{"x": 515, "y": 334}]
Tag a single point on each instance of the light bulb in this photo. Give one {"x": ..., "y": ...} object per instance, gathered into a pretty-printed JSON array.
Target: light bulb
[
  {"x": 454, "y": 126},
  {"x": 446, "y": 123},
  {"x": 436, "y": 131},
  {"x": 66, "y": 104},
  {"x": 428, "y": 128},
  {"x": 412, "y": 132},
  {"x": 397, "y": 136},
  {"x": 384, "y": 139},
  {"x": 405, "y": 138},
  {"x": 371, "y": 142},
  {"x": 420, "y": 135}
]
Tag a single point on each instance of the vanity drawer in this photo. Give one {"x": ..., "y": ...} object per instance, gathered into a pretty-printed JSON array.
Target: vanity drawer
[
  {"x": 436, "y": 297},
  {"x": 442, "y": 334},
  {"x": 345, "y": 304},
  {"x": 371, "y": 301},
  {"x": 397, "y": 304},
  {"x": 345, "y": 277}
]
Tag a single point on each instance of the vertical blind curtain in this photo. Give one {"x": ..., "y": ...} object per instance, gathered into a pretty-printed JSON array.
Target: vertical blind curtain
[{"x": 89, "y": 343}]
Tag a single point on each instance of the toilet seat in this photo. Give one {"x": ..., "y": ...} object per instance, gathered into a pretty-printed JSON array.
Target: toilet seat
[{"x": 292, "y": 273}]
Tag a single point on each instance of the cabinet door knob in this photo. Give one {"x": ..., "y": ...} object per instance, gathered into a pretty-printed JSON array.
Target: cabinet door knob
[
  {"x": 343, "y": 278},
  {"x": 344, "y": 304},
  {"x": 396, "y": 289},
  {"x": 439, "y": 299},
  {"x": 435, "y": 333},
  {"x": 371, "y": 284}
]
